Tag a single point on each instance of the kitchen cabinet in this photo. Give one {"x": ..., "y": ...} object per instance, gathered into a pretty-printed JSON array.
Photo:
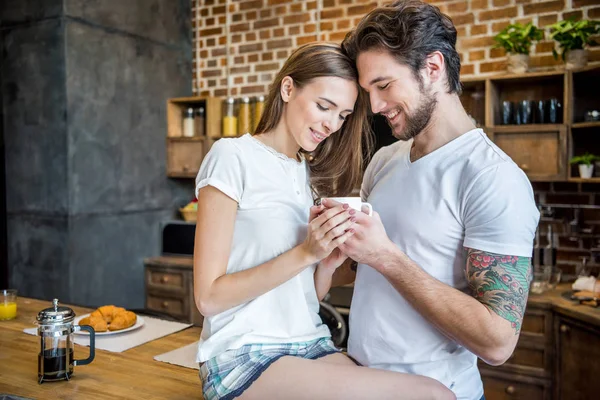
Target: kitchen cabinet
[{"x": 578, "y": 360}]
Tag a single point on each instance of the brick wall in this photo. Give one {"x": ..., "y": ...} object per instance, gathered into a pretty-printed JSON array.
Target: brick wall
[{"x": 260, "y": 35}]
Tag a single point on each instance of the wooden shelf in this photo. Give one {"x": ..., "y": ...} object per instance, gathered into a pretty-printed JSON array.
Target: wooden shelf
[
  {"x": 527, "y": 128},
  {"x": 182, "y": 174},
  {"x": 187, "y": 139},
  {"x": 593, "y": 124},
  {"x": 527, "y": 76},
  {"x": 582, "y": 180}
]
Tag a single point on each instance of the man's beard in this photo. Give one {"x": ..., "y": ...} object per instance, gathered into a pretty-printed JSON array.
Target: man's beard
[{"x": 418, "y": 120}]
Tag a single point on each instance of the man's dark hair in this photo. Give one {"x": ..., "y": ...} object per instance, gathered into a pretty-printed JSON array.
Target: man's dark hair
[{"x": 409, "y": 30}]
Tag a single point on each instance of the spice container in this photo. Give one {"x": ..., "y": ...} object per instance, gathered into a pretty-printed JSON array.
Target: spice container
[
  {"x": 229, "y": 118},
  {"x": 244, "y": 117},
  {"x": 199, "y": 122},
  {"x": 258, "y": 110},
  {"x": 188, "y": 122}
]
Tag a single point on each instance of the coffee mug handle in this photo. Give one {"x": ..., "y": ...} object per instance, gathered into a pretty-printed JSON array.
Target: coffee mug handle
[{"x": 370, "y": 207}]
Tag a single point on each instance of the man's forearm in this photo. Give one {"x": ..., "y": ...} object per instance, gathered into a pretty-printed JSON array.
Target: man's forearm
[{"x": 457, "y": 315}]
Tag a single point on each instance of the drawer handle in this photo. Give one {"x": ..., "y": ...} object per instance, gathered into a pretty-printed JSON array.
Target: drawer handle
[
  {"x": 165, "y": 304},
  {"x": 564, "y": 328},
  {"x": 511, "y": 390},
  {"x": 164, "y": 279},
  {"x": 186, "y": 168}
]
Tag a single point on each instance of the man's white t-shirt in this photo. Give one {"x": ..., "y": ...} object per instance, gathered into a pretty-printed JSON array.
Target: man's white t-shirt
[
  {"x": 274, "y": 200},
  {"x": 468, "y": 193}
]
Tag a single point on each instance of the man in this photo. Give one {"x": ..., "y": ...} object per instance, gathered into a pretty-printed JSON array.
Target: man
[{"x": 444, "y": 264}]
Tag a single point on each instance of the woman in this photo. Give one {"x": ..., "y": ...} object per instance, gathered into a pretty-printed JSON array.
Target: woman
[{"x": 259, "y": 268}]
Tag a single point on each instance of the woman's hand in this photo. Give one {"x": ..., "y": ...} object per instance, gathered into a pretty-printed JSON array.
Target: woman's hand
[
  {"x": 333, "y": 261},
  {"x": 328, "y": 229}
]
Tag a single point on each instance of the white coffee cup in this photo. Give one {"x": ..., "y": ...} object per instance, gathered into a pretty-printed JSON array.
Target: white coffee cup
[{"x": 354, "y": 202}]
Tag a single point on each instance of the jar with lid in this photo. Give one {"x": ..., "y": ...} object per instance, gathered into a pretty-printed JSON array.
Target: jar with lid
[
  {"x": 229, "y": 118},
  {"x": 258, "y": 110},
  {"x": 199, "y": 123},
  {"x": 244, "y": 117},
  {"x": 188, "y": 122}
]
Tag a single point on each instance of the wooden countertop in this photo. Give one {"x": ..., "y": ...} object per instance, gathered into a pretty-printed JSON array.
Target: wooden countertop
[
  {"x": 132, "y": 374},
  {"x": 570, "y": 308}
]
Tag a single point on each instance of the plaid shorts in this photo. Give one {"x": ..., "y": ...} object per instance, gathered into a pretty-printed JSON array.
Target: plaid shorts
[{"x": 227, "y": 375}]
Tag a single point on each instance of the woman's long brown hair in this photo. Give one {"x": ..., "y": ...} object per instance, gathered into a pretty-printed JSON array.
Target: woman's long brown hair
[{"x": 336, "y": 164}]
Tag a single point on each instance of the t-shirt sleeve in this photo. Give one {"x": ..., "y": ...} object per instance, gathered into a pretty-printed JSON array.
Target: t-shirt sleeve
[
  {"x": 222, "y": 168},
  {"x": 369, "y": 176},
  {"x": 500, "y": 213}
]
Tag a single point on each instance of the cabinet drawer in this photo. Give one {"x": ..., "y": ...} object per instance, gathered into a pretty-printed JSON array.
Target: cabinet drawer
[
  {"x": 505, "y": 386},
  {"x": 184, "y": 157},
  {"x": 166, "y": 279},
  {"x": 537, "y": 325},
  {"x": 176, "y": 307}
]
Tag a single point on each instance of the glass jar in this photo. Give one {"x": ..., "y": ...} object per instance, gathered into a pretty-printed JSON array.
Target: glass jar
[
  {"x": 188, "y": 122},
  {"x": 229, "y": 118},
  {"x": 244, "y": 117},
  {"x": 199, "y": 122},
  {"x": 258, "y": 110}
]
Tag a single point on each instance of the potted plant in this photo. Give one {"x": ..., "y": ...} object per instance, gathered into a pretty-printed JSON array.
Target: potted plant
[
  {"x": 516, "y": 39},
  {"x": 573, "y": 37},
  {"x": 586, "y": 168}
]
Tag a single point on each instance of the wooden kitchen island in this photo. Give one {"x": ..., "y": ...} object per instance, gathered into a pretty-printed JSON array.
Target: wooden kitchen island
[{"x": 132, "y": 374}]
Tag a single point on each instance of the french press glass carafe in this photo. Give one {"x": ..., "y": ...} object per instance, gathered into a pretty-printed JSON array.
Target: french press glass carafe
[{"x": 55, "y": 329}]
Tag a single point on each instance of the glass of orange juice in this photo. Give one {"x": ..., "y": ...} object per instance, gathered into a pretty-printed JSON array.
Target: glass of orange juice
[{"x": 8, "y": 304}]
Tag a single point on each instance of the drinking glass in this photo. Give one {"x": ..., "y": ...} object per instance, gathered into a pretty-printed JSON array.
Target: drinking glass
[{"x": 8, "y": 304}]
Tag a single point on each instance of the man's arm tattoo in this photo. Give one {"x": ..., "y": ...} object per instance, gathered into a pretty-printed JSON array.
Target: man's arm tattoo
[{"x": 501, "y": 283}]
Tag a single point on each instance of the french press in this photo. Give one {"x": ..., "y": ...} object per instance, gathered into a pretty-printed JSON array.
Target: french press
[{"x": 55, "y": 329}]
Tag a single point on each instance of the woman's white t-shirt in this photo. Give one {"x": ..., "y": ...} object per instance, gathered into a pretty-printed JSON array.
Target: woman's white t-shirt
[{"x": 274, "y": 199}]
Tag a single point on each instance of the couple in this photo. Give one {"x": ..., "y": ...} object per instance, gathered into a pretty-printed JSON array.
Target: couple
[{"x": 444, "y": 262}]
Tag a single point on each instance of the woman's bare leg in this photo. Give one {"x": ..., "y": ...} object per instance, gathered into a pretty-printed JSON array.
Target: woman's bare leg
[
  {"x": 295, "y": 378},
  {"x": 337, "y": 358}
]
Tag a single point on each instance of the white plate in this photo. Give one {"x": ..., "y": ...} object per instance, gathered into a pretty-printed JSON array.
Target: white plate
[{"x": 138, "y": 324}]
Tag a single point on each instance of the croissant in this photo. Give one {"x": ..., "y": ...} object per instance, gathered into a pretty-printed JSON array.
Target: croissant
[{"x": 109, "y": 318}]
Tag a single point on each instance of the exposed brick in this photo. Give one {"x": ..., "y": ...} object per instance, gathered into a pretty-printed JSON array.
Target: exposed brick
[
  {"x": 239, "y": 27},
  {"x": 247, "y": 5},
  {"x": 251, "y": 15},
  {"x": 281, "y": 10},
  {"x": 253, "y": 89},
  {"x": 266, "y": 23},
  {"x": 212, "y": 31},
  {"x": 239, "y": 60},
  {"x": 266, "y": 67},
  {"x": 501, "y": 3},
  {"x": 266, "y": 77},
  {"x": 498, "y": 26},
  {"x": 543, "y": 61},
  {"x": 219, "y": 93},
  {"x": 326, "y": 26},
  {"x": 343, "y": 24},
  {"x": 282, "y": 54},
  {"x": 311, "y": 5},
  {"x": 333, "y": 13},
  {"x": 211, "y": 42},
  {"x": 544, "y": 47},
  {"x": 463, "y": 19},
  {"x": 583, "y": 3},
  {"x": 237, "y": 17},
  {"x": 479, "y": 5},
  {"x": 210, "y": 73},
  {"x": 266, "y": 56},
  {"x": 576, "y": 15},
  {"x": 265, "y": 34},
  {"x": 252, "y": 58},
  {"x": 209, "y": 21},
  {"x": 461, "y": 31},
  {"x": 296, "y": 19},
  {"x": 279, "y": 32},
  {"x": 250, "y": 36},
  {"x": 497, "y": 53},
  {"x": 296, "y": 8},
  {"x": 219, "y": 10},
  {"x": 594, "y": 13},
  {"x": 544, "y": 7},
  {"x": 467, "y": 69},
  {"x": 337, "y": 36},
  {"x": 545, "y": 20},
  {"x": 469, "y": 43},
  {"x": 210, "y": 64},
  {"x": 278, "y": 44},
  {"x": 293, "y": 30},
  {"x": 222, "y": 40},
  {"x": 247, "y": 48},
  {"x": 494, "y": 66},
  {"x": 252, "y": 78},
  {"x": 221, "y": 51},
  {"x": 305, "y": 39},
  {"x": 238, "y": 80},
  {"x": 309, "y": 28},
  {"x": 457, "y": 7},
  {"x": 508, "y": 12},
  {"x": 236, "y": 38},
  {"x": 222, "y": 20},
  {"x": 328, "y": 3},
  {"x": 362, "y": 9},
  {"x": 240, "y": 70},
  {"x": 476, "y": 55},
  {"x": 479, "y": 30},
  {"x": 265, "y": 13}
]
